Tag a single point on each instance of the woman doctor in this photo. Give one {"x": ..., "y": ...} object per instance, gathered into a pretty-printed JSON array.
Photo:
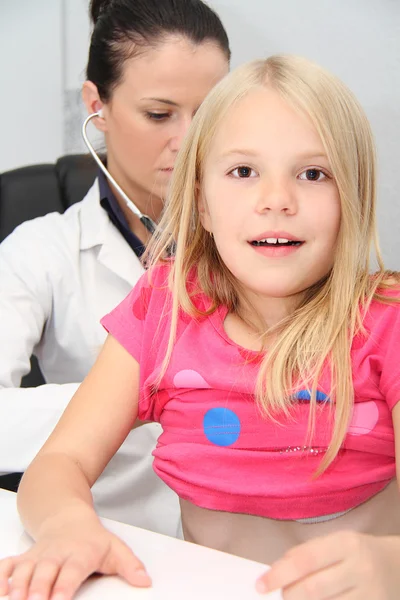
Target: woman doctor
[{"x": 150, "y": 66}]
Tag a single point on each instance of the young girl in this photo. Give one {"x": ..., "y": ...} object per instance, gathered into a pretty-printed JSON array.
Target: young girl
[{"x": 265, "y": 349}]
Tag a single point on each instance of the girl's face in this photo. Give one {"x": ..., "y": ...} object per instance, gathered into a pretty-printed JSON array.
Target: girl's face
[
  {"x": 269, "y": 198},
  {"x": 151, "y": 109}
]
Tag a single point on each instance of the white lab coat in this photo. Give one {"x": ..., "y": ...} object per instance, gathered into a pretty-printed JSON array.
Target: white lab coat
[{"x": 59, "y": 274}]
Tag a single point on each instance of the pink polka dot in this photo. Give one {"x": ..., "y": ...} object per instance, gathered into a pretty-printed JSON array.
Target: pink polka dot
[
  {"x": 365, "y": 417},
  {"x": 190, "y": 379},
  {"x": 139, "y": 308}
]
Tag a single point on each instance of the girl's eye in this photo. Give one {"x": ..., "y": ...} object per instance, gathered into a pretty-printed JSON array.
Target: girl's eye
[
  {"x": 243, "y": 172},
  {"x": 153, "y": 116},
  {"x": 313, "y": 175}
]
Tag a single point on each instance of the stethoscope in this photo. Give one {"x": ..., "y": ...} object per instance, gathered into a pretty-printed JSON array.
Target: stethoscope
[{"x": 147, "y": 222}]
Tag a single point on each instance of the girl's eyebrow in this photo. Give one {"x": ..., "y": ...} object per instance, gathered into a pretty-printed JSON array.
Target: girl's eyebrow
[
  {"x": 317, "y": 154},
  {"x": 247, "y": 152},
  {"x": 241, "y": 151}
]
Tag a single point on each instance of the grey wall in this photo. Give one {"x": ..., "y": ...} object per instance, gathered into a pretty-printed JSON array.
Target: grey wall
[
  {"x": 31, "y": 79},
  {"x": 359, "y": 40}
]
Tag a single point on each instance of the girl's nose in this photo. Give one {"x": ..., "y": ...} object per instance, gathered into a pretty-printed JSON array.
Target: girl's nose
[{"x": 276, "y": 196}]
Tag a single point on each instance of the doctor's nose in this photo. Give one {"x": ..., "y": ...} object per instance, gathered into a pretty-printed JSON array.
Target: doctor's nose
[{"x": 178, "y": 134}]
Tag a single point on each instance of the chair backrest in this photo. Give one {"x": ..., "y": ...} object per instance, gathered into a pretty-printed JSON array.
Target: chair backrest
[{"x": 33, "y": 191}]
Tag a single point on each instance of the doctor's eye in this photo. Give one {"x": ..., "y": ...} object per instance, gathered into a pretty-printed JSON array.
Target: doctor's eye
[{"x": 154, "y": 116}]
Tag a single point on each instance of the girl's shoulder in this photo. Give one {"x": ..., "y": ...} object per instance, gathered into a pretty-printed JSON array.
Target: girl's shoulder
[
  {"x": 152, "y": 291},
  {"x": 158, "y": 275},
  {"x": 378, "y": 347},
  {"x": 389, "y": 287},
  {"x": 383, "y": 311},
  {"x": 387, "y": 293},
  {"x": 158, "y": 281}
]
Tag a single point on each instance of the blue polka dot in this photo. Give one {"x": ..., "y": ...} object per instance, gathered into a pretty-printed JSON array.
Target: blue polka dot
[
  {"x": 305, "y": 396},
  {"x": 221, "y": 426}
]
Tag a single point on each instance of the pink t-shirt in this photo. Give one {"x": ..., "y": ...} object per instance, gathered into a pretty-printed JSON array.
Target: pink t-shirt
[{"x": 217, "y": 451}]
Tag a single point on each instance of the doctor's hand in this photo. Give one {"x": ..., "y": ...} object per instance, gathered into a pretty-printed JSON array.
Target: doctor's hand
[
  {"x": 341, "y": 566},
  {"x": 60, "y": 561}
]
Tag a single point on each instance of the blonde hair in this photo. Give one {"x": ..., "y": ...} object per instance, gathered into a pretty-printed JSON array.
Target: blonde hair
[{"x": 324, "y": 325}]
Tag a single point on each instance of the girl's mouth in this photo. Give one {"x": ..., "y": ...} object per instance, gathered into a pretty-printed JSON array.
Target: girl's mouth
[{"x": 276, "y": 242}]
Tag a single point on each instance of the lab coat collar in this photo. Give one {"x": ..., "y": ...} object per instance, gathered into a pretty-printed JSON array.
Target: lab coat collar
[
  {"x": 97, "y": 230},
  {"x": 94, "y": 219}
]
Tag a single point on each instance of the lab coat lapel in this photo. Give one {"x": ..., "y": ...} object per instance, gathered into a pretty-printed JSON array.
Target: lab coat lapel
[
  {"x": 116, "y": 254},
  {"x": 97, "y": 230}
]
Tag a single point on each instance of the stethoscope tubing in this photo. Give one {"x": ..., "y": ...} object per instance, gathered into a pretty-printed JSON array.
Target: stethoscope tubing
[{"x": 146, "y": 220}]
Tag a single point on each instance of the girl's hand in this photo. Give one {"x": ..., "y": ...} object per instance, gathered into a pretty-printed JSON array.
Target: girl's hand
[
  {"x": 341, "y": 566},
  {"x": 56, "y": 566}
]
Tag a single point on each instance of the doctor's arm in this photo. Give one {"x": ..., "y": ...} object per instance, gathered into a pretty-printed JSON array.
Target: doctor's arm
[
  {"x": 27, "y": 415},
  {"x": 54, "y": 497}
]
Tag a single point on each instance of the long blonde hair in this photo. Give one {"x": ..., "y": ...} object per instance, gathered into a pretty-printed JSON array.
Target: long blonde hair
[{"x": 323, "y": 326}]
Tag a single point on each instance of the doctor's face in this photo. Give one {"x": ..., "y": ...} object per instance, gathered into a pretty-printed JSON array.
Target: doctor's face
[{"x": 150, "y": 111}]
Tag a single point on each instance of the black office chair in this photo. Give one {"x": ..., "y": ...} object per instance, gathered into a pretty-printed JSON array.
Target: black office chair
[{"x": 33, "y": 191}]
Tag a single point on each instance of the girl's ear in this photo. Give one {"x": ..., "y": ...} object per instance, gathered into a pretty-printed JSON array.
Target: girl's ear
[
  {"x": 91, "y": 99},
  {"x": 202, "y": 207}
]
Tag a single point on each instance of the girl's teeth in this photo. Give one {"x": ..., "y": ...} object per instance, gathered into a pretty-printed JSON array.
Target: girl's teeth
[{"x": 276, "y": 242}]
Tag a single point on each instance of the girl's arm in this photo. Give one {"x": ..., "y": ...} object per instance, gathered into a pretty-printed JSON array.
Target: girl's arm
[
  {"x": 345, "y": 564},
  {"x": 54, "y": 498},
  {"x": 92, "y": 428}
]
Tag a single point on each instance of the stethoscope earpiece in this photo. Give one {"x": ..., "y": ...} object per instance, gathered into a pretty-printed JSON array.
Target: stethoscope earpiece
[{"x": 147, "y": 222}]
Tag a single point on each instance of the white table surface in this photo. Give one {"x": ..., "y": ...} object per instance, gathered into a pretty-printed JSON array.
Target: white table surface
[{"x": 179, "y": 570}]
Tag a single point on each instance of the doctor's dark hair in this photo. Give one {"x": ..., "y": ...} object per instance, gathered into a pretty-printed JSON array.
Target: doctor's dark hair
[{"x": 123, "y": 28}]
